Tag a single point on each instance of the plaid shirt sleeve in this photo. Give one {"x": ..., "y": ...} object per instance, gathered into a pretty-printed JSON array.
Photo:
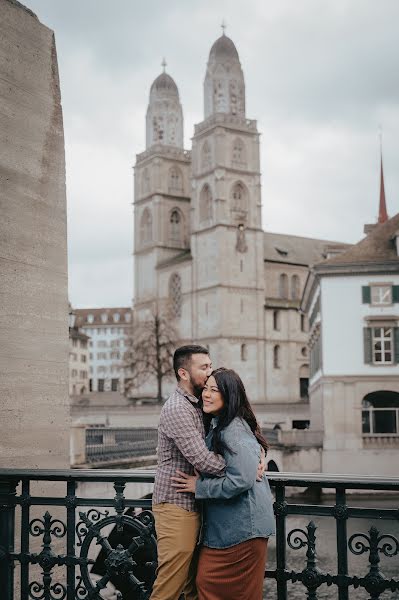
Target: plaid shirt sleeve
[{"x": 179, "y": 425}]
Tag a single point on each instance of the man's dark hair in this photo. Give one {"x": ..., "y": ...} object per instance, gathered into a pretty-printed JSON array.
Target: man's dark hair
[{"x": 182, "y": 357}]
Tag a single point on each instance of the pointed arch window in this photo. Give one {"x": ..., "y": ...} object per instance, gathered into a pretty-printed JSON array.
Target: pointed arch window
[
  {"x": 283, "y": 286},
  {"x": 175, "y": 295},
  {"x": 239, "y": 199},
  {"x": 176, "y": 227},
  {"x": 146, "y": 226},
  {"x": 145, "y": 181},
  {"x": 175, "y": 180},
  {"x": 238, "y": 153},
  {"x": 295, "y": 287},
  {"x": 206, "y": 156},
  {"x": 205, "y": 208}
]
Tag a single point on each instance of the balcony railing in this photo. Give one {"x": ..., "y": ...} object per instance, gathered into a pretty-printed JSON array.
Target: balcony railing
[{"x": 121, "y": 529}]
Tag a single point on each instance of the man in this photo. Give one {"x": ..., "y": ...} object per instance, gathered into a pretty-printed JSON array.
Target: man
[{"x": 181, "y": 446}]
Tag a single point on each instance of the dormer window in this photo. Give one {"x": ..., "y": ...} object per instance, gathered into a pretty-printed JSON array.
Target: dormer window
[
  {"x": 90, "y": 318},
  {"x": 116, "y": 317},
  {"x": 104, "y": 317}
]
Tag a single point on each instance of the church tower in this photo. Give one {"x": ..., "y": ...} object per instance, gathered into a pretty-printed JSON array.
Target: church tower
[
  {"x": 227, "y": 235},
  {"x": 161, "y": 191}
]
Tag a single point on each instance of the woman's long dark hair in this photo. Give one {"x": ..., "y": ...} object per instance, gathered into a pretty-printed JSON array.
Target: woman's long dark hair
[{"x": 236, "y": 404}]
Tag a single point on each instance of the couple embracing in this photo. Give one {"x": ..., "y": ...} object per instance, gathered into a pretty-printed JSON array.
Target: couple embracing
[{"x": 212, "y": 502}]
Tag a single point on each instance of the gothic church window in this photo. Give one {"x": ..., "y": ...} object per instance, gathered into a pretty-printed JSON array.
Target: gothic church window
[
  {"x": 283, "y": 286},
  {"x": 295, "y": 287},
  {"x": 205, "y": 208},
  {"x": 175, "y": 295},
  {"x": 158, "y": 129},
  {"x": 146, "y": 226},
  {"x": 176, "y": 227},
  {"x": 239, "y": 199},
  {"x": 238, "y": 153},
  {"x": 206, "y": 156},
  {"x": 175, "y": 180},
  {"x": 276, "y": 320},
  {"x": 244, "y": 352}
]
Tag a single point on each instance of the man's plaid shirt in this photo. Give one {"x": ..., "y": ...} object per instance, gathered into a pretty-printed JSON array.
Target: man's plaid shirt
[{"x": 181, "y": 445}]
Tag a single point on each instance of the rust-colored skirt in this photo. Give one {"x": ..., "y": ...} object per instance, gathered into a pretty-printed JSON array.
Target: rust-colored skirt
[{"x": 234, "y": 573}]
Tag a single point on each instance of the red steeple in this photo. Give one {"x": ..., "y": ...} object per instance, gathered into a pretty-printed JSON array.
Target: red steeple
[{"x": 382, "y": 212}]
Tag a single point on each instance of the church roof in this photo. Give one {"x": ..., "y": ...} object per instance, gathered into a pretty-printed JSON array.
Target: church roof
[
  {"x": 378, "y": 246},
  {"x": 293, "y": 249},
  {"x": 223, "y": 49},
  {"x": 164, "y": 84}
]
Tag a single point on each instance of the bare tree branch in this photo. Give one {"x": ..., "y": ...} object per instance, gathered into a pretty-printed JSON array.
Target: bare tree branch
[{"x": 151, "y": 344}]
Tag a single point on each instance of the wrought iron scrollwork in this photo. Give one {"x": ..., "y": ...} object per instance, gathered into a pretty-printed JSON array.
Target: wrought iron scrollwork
[
  {"x": 374, "y": 582},
  {"x": 129, "y": 564},
  {"x": 311, "y": 576}
]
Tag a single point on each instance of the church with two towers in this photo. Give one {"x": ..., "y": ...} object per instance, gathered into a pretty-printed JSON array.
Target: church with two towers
[{"x": 200, "y": 253}]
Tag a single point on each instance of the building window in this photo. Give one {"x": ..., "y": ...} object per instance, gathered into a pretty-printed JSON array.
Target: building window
[
  {"x": 380, "y": 294},
  {"x": 303, "y": 387},
  {"x": 74, "y": 343},
  {"x": 239, "y": 202},
  {"x": 276, "y": 320},
  {"x": 176, "y": 223},
  {"x": 205, "y": 208},
  {"x": 206, "y": 156},
  {"x": 276, "y": 357},
  {"x": 238, "y": 154},
  {"x": 175, "y": 180},
  {"x": 146, "y": 227},
  {"x": 100, "y": 385},
  {"x": 244, "y": 352},
  {"x": 83, "y": 358},
  {"x": 128, "y": 317},
  {"x": 283, "y": 286},
  {"x": 101, "y": 344},
  {"x": 104, "y": 317},
  {"x": 116, "y": 317},
  {"x": 304, "y": 351},
  {"x": 380, "y": 413},
  {"x": 175, "y": 295},
  {"x": 301, "y": 424},
  {"x": 381, "y": 345},
  {"x": 114, "y": 385},
  {"x": 303, "y": 323},
  {"x": 90, "y": 318},
  {"x": 295, "y": 287}
]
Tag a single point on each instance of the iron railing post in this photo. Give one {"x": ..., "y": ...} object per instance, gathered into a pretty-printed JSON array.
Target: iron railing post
[
  {"x": 341, "y": 516},
  {"x": 7, "y": 533},
  {"x": 280, "y": 511}
]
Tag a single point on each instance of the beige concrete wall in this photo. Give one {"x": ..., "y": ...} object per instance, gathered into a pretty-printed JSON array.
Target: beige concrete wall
[{"x": 34, "y": 410}]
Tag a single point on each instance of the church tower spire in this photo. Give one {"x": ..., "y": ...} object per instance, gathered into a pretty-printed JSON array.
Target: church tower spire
[
  {"x": 224, "y": 87},
  {"x": 164, "y": 121},
  {"x": 382, "y": 212}
]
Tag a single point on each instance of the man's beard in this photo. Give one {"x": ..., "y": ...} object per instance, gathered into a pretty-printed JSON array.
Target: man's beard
[{"x": 197, "y": 388}]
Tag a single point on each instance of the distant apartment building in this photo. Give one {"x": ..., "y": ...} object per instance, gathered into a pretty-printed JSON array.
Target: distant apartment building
[
  {"x": 107, "y": 329},
  {"x": 78, "y": 362}
]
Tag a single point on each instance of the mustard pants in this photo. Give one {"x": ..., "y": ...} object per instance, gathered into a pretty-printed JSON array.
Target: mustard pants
[{"x": 177, "y": 535}]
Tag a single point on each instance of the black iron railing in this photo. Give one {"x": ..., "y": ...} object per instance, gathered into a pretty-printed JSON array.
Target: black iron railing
[{"x": 88, "y": 543}]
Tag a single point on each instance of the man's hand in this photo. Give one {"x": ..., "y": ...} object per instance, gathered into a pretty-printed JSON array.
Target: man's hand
[
  {"x": 262, "y": 464},
  {"x": 185, "y": 483}
]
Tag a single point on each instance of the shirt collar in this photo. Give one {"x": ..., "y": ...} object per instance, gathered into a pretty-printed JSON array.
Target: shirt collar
[
  {"x": 187, "y": 395},
  {"x": 214, "y": 422}
]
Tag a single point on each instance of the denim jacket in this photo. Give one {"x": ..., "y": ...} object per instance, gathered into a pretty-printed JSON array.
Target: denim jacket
[{"x": 237, "y": 507}]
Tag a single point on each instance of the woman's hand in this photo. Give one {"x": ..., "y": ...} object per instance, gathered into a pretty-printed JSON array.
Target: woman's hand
[{"x": 185, "y": 483}]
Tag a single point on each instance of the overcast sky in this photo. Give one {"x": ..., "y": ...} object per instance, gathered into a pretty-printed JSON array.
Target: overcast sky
[{"x": 321, "y": 75}]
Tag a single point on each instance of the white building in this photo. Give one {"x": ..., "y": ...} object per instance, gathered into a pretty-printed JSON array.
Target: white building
[
  {"x": 352, "y": 302},
  {"x": 107, "y": 329},
  {"x": 78, "y": 362},
  {"x": 199, "y": 245}
]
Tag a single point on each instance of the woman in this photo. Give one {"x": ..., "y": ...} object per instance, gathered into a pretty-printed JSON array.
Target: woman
[{"x": 238, "y": 510}]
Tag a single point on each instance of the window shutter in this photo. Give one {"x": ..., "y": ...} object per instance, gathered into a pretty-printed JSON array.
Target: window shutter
[
  {"x": 395, "y": 293},
  {"x": 368, "y": 359},
  {"x": 366, "y": 294},
  {"x": 396, "y": 344}
]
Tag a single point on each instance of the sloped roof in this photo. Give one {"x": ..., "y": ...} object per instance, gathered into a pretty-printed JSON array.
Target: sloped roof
[
  {"x": 378, "y": 246},
  {"x": 102, "y": 316},
  {"x": 223, "y": 49},
  {"x": 280, "y": 247}
]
